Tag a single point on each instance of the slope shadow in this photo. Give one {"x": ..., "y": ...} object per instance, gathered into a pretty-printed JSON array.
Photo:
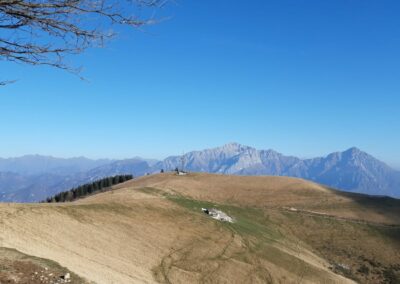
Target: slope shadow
[{"x": 387, "y": 207}]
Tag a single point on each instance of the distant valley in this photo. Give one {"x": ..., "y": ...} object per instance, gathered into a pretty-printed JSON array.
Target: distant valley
[{"x": 33, "y": 178}]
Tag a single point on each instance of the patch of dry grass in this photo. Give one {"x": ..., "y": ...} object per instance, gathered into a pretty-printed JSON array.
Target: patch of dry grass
[{"x": 152, "y": 229}]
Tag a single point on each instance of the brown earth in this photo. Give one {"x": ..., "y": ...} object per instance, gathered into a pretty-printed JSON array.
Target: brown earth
[
  {"x": 16, "y": 267},
  {"x": 152, "y": 230}
]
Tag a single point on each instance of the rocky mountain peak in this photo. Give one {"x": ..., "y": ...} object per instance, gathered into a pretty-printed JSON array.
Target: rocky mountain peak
[
  {"x": 233, "y": 147},
  {"x": 354, "y": 151}
]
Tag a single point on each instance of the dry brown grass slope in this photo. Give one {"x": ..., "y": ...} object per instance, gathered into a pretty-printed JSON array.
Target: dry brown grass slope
[
  {"x": 277, "y": 192},
  {"x": 151, "y": 230}
]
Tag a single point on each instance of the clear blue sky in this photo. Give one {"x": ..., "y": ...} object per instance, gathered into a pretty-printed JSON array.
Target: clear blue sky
[{"x": 302, "y": 77}]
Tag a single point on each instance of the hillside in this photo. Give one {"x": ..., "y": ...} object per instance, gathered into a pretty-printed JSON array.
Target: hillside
[{"x": 152, "y": 230}]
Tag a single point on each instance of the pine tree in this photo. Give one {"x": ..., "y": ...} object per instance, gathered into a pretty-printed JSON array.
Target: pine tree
[{"x": 88, "y": 188}]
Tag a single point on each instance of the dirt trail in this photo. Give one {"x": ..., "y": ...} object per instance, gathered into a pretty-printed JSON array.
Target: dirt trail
[{"x": 337, "y": 218}]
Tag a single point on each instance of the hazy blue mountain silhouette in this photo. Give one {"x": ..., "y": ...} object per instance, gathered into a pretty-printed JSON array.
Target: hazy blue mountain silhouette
[
  {"x": 37, "y": 164},
  {"x": 33, "y": 178}
]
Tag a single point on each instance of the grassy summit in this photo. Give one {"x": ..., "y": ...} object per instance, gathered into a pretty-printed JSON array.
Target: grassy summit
[{"x": 153, "y": 230}]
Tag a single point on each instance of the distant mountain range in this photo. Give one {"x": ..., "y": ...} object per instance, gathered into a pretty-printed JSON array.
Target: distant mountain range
[
  {"x": 33, "y": 178},
  {"x": 352, "y": 170},
  {"x": 36, "y": 164}
]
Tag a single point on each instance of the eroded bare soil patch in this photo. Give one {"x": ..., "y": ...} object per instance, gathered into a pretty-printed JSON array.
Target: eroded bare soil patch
[{"x": 16, "y": 267}]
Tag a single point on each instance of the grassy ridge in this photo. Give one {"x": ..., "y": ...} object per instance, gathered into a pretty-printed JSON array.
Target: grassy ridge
[
  {"x": 354, "y": 245},
  {"x": 261, "y": 238}
]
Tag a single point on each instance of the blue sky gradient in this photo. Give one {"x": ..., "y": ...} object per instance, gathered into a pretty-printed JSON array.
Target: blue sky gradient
[{"x": 305, "y": 78}]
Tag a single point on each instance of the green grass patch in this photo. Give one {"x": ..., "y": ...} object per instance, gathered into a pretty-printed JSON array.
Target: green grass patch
[
  {"x": 248, "y": 221},
  {"x": 257, "y": 231}
]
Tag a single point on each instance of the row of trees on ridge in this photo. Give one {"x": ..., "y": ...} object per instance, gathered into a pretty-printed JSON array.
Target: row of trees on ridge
[{"x": 88, "y": 188}]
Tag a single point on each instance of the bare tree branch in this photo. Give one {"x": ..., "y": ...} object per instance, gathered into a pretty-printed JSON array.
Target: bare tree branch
[
  {"x": 43, "y": 32},
  {"x": 3, "y": 83}
]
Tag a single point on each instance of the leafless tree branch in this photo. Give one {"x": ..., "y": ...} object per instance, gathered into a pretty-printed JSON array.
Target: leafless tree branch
[{"x": 43, "y": 32}]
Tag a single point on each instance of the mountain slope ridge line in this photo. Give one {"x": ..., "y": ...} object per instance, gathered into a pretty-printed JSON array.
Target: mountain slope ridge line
[{"x": 352, "y": 170}]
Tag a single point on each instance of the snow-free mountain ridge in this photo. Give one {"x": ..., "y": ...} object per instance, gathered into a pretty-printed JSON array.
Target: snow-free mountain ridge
[{"x": 351, "y": 170}]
